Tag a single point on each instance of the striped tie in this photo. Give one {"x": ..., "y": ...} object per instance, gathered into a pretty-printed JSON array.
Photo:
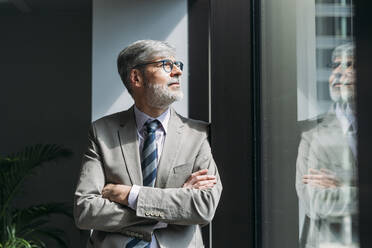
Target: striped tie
[
  {"x": 150, "y": 154},
  {"x": 149, "y": 167}
]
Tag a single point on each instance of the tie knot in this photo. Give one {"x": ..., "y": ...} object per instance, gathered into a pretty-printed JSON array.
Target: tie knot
[{"x": 151, "y": 126}]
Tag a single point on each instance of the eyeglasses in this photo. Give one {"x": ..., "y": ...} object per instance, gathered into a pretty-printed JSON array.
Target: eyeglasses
[
  {"x": 334, "y": 65},
  {"x": 166, "y": 63}
]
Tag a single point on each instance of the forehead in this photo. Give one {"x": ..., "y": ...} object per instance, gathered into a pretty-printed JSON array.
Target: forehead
[
  {"x": 170, "y": 57},
  {"x": 343, "y": 58}
]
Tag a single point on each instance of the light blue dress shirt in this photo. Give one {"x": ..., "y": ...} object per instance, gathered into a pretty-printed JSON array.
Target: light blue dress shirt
[{"x": 160, "y": 133}]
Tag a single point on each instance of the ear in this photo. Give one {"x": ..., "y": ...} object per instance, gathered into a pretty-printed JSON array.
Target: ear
[{"x": 136, "y": 78}]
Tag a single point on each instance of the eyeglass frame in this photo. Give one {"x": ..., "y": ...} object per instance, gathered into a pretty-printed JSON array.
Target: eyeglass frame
[
  {"x": 335, "y": 65},
  {"x": 179, "y": 64}
]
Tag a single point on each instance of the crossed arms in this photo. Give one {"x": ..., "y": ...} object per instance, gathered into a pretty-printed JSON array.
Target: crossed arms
[
  {"x": 119, "y": 193},
  {"x": 320, "y": 188},
  {"x": 103, "y": 206}
]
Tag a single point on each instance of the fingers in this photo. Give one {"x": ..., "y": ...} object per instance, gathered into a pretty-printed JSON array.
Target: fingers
[
  {"x": 108, "y": 186},
  {"x": 110, "y": 191},
  {"x": 206, "y": 184},
  {"x": 107, "y": 190},
  {"x": 315, "y": 183},
  {"x": 326, "y": 171},
  {"x": 200, "y": 172},
  {"x": 323, "y": 183},
  {"x": 322, "y": 176},
  {"x": 321, "y": 180},
  {"x": 116, "y": 193},
  {"x": 200, "y": 180},
  {"x": 194, "y": 177},
  {"x": 197, "y": 179},
  {"x": 201, "y": 183}
]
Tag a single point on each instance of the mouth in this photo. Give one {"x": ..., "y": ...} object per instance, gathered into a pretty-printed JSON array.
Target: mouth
[
  {"x": 336, "y": 85},
  {"x": 173, "y": 83}
]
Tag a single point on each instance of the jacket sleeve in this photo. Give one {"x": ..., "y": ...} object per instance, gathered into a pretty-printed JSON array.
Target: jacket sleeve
[
  {"x": 91, "y": 211},
  {"x": 183, "y": 206}
]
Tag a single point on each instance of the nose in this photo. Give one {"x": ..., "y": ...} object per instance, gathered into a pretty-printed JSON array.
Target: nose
[
  {"x": 176, "y": 71},
  {"x": 338, "y": 75}
]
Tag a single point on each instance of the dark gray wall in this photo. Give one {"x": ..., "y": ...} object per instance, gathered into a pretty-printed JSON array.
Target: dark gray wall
[
  {"x": 363, "y": 33},
  {"x": 231, "y": 128},
  {"x": 46, "y": 98}
]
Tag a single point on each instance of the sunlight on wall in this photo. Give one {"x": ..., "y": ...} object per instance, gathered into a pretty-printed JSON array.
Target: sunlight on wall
[{"x": 116, "y": 24}]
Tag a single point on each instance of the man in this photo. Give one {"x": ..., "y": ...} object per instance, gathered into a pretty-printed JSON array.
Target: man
[
  {"x": 326, "y": 164},
  {"x": 148, "y": 178}
]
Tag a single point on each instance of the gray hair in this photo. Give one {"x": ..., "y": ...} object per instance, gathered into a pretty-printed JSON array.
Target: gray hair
[
  {"x": 140, "y": 52},
  {"x": 345, "y": 50}
]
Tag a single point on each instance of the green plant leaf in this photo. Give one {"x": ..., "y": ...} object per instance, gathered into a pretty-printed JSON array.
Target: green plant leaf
[
  {"x": 15, "y": 168},
  {"x": 28, "y": 229},
  {"x": 13, "y": 241},
  {"x": 30, "y": 217}
]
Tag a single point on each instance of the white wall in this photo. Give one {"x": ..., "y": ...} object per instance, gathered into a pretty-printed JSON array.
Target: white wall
[{"x": 116, "y": 24}]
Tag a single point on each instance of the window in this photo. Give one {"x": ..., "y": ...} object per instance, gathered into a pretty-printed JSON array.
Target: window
[{"x": 309, "y": 124}]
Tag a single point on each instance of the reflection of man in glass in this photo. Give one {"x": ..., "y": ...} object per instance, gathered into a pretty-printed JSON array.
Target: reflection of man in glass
[{"x": 326, "y": 164}]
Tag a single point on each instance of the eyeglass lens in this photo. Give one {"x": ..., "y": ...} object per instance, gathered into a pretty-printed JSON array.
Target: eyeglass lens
[
  {"x": 334, "y": 65},
  {"x": 168, "y": 65}
]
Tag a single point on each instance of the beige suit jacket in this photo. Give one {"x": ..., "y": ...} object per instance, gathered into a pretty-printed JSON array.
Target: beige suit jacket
[
  {"x": 326, "y": 147},
  {"x": 113, "y": 157}
]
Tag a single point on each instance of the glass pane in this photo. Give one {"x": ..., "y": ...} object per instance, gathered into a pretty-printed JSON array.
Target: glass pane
[{"x": 309, "y": 166}]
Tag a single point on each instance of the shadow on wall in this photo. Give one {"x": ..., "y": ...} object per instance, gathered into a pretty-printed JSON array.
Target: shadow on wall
[{"x": 116, "y": 24}]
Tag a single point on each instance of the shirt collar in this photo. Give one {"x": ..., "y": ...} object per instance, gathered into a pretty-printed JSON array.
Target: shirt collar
[{"x": 141, "y": 118}]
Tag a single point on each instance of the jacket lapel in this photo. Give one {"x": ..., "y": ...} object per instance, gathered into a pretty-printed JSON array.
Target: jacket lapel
[
  {"x": 337, "y": 136},
  {"x": 130, "y": 146},
  {"x": 171, "y": 149}
]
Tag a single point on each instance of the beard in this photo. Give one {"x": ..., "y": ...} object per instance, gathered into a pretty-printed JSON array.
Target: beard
[
  {"x": 343, "y": 94},
  {"x": 347, "y": 94},
  {"x": 335, "y": 94},
  {"x": 160, "y": 95}
]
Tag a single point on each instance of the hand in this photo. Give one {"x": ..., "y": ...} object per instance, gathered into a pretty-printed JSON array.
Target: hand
[
  {"x": 200, "y": 180},
  {"x": 117, "y": 193},
  {"x": 321, "y": 178}
]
